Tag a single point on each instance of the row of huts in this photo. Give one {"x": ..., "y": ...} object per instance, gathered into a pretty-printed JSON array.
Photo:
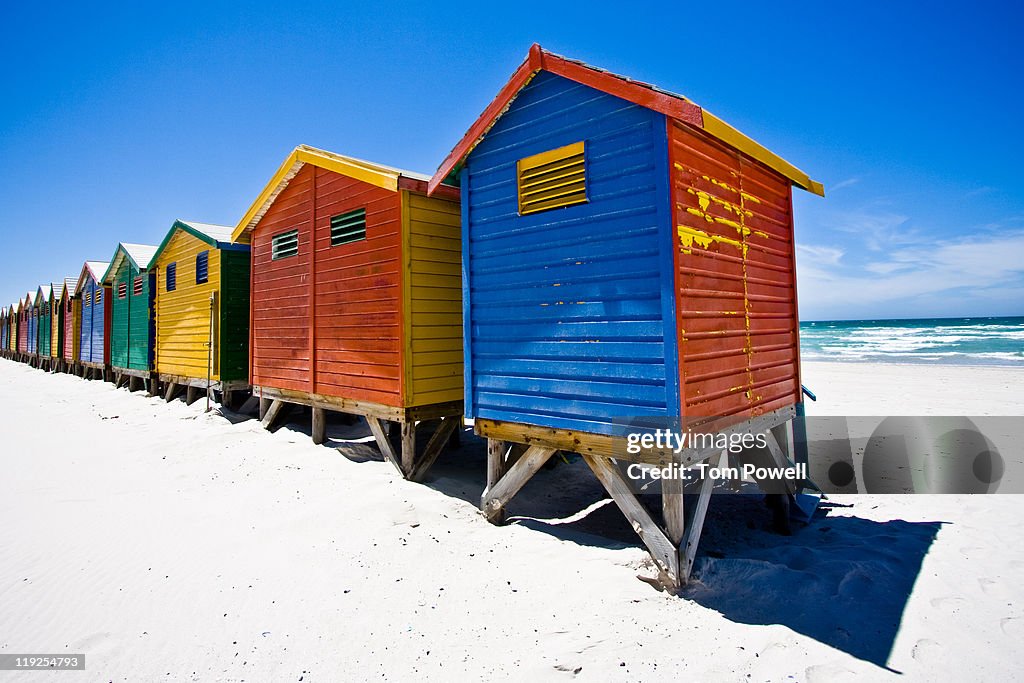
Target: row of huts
[{"x": 595, "y": 251}]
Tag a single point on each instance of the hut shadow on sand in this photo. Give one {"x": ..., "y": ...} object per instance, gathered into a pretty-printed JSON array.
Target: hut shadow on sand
[{"x": 842, "y": 580}]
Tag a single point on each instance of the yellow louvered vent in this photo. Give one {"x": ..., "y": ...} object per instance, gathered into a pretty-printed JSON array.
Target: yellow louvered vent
[{"x": 552, "y": 179}]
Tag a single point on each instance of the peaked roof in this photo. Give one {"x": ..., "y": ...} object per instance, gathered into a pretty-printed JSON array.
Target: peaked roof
[
  {"x": 138, "y": 254},
  {"x": 55, "y": 290},
  {"x": 643, "y": 94},
  {"x": 94, "y": 269},
  {"x": 70, "y": 284},
  {"x": 387, "y": 177},
  {"x": 43, "y": 292},
  {"x": 217, "y": 236}
]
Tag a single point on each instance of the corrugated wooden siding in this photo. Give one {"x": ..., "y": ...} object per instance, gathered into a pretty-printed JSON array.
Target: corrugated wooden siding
[
  {"x": 76, "y": 330},
  {"x": 56, "y": 328},
  {"x": 737, "y": 301},
  {"x": 280, "y": 292},
  {"x": 67, "y": 350},
  {"x": 33, "y": 329},
  {"x": 131, "y": 320},
  {"x": 434, "y": 325},
  {"x": 234, "y": 314},
  {"x": 566, "y": 307},
  {"x": 183, "y": 316},
  {"x": 45, "y": 329},
  {"x": 94, "y": 323},
  {"x": 358, "y": 294}
]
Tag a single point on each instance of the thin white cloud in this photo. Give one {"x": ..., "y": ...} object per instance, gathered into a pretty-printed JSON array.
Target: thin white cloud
[
  {"x": 933, "y": 275},
  {"x": 843, "y": 183}
]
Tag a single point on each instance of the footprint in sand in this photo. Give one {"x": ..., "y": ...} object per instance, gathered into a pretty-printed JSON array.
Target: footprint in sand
[
  {"x": 949, "y": 604},
  {"x": 926, "y": 651},
  {"x": 993, "y": 588},
  {"x": 1013, "y": 627},
  {"x": 829, "y": 673}
]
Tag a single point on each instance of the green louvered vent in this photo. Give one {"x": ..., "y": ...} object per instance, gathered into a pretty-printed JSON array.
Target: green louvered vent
[
  {"x": 348, "y": 227},
  {"x": 284, "y": 245}
]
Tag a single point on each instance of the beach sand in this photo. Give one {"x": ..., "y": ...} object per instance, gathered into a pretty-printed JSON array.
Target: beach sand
[{"x": 165, "y": 543}]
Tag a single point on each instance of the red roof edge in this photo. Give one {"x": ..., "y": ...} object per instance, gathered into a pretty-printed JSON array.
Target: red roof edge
[
  {"x": 416, "y": 185},
  {"x": 538, "y": 59}
]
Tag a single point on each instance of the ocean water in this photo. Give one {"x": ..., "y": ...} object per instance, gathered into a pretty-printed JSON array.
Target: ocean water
[{"x": 958, "y": 341}]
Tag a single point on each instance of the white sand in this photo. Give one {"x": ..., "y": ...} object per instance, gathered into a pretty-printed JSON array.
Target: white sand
[{"x": 169, "y": 544}]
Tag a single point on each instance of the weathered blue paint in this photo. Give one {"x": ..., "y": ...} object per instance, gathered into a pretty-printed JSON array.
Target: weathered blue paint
[
  {"x": 565, "y": 309},
  {"x": 92, "y": 332},
  {"x": 662, "y": 178},
  {"x": 33, "y": 329}
]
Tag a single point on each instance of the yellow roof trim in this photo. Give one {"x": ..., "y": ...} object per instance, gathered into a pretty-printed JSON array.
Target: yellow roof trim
[
  {"x": 718, "y": 128},
  {"x": 374, "y": 174}
]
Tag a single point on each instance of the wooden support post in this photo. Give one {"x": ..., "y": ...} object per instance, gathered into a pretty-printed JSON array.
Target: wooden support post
[
  {"x": 227, "y": 399},
  {"x": 780, "y": 459},
  {"x": 661, "y": 547},
  {"x": 265, "y": 404},
  {"x": 435, "y": 445},
  {"x": 272, "y": 412},
  {"x": 152, "y": 386},
  {"x": 133, "y": 383},
  {"x": 172, "y": 389},
  {"x": 408, "y": 446},
  {"x": 192, "y": 395},
  {"x": 383, "y": 442},
  {"x": 672, "y": 508},
  {"x": 319, "y": 425},
  {"x": 497, "y": 496},
  {"x": 689, "y": 551}
]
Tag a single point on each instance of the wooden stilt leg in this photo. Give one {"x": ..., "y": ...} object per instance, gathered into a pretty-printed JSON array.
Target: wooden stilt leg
[
  {"x": 319, "y": 425},
  {"x": 689, "y": 551},
  {"x": 497, "y": 496},
  {"x": 383, "y": 442},
  {"x": 408, "y": 446},
  {"x": 672, "y": 508},
  {"x": 441, "y": 436},
  {"x": 227, "y": 399},
  {"x": 272, "y": 413},
  {"x": 779, "y": 457},
  {"x": 264, "y": 406},
  {"x": 172, "y": 388},
  {"x": 661, "y": 547},
  {"x": 192, "y": 395}
]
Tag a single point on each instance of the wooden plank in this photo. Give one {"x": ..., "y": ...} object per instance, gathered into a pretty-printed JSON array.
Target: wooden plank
[
  {"x": 436, "y": 444},
  {"x": 319, "y": 425},
  {"x": 605, "y": 446},
  {"x": 689, "y": 551},
  {"x": 380, "y": 435},
  {"x": 272, "y": 412},
  {"x": 496, "y": 450},
  {"x": 661, "y": 547},
  {"x": 497, "y": 496},
  {"x": 408, "y": 447},
  {"x": 265, "y": 404},
  {"x": 192, "y": 395},
  {"x": 780, "y": 459},
  {"x": 672, "y": 508}
]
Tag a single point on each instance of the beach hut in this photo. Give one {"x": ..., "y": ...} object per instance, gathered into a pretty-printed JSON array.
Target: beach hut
[
  {"x": 4, "y": 331},
  {"x": 45, "y": 332},
  {"x": 202, "y": 311},
  {"x": 32, "y": 329},
  {"x": 16, "y": 327},
  {"x": 55, "y": 326},
  {"x": 629, "y": 257},
  {"x": 355, "y": 299},
  {"x": 69, "y": 339},
  {"x": 93, "y": 320},
  {"x": 132, "y": 325}
]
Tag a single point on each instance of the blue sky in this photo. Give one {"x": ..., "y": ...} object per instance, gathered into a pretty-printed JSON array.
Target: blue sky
[{"x": 118, "y": 120}]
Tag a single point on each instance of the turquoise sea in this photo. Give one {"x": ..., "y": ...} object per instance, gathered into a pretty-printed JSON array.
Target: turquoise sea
[{"x": 959, "y": 341}]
